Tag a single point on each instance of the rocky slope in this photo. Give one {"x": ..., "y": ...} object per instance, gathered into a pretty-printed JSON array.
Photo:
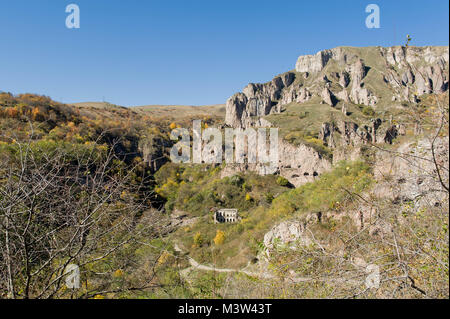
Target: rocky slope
[
  {"x": 406, "y": 178},
  {"x": 299, "y": 164},
  {"x": 341, "y": 79},
  {"x": 367, "y": 76}
]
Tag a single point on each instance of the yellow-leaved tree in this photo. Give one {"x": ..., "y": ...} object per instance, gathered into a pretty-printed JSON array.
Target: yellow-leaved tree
[{"x": 220, "y": 237}]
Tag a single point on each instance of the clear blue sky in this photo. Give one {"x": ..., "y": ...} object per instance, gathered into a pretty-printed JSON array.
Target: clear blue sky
[{"x": 192, "y": 52}]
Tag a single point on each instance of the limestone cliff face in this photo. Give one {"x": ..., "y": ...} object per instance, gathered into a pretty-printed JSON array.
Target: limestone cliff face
[
  {"x": 414, "y": 173},
  {"x": 301, "y": 164},
  {"x": 256, "y": 100},
  {"x": 358, "y": 75},
  {"x": 287, "y": 232},
  {"x": 315, "y": 63},
  {"x": 298, "y": 164}
]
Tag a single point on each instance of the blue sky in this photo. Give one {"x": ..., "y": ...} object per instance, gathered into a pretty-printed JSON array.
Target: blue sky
[{"x": 192, "y": 52}]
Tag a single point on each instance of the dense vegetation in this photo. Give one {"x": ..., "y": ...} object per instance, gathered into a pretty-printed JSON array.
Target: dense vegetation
[{"x": 79, "y": 185}]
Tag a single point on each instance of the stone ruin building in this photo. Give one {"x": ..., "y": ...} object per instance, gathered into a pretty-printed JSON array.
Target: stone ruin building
[{"x": 226, "y": 215}]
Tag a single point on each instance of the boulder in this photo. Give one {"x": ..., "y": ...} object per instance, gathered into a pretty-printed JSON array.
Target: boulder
[
  {"x": 328, "y": 97},
  {"x": 287, "y": 233}
]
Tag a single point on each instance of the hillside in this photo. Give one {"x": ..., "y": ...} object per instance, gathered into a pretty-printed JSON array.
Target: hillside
[
  {"x": 344, "y": 97},
  {"x": 361, "y": 188},
  {"x": 353, "y": 122},
  {"x": 165, "y": 112}
]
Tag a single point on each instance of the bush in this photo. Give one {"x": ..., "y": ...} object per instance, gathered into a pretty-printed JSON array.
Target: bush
[
  {"x": 282, "y": 181},
  {"x": 236, "y": 180},
  {"x": 198, "y": 239},
  {"x": 328, "y": 192},
  {"x": 368, "y": 111},
  {"x": 269, "y": 198}
]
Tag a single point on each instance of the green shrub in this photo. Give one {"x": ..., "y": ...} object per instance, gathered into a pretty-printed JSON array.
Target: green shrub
[
  {"x": 236, "y": 180},
  {"x": 368, "y": 111},
  {"x": 282, "y": 181},
  {"x": 198, "y": 239},
  {"x": 269, "y": 197},
  {"x": 328, "y": 192}
]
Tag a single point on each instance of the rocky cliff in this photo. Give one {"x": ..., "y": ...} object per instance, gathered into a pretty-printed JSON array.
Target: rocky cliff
[
  {"x": 373, "y": 81},
  {"x": 298, "y": 164},
  {"x": 366, "y": 76}
]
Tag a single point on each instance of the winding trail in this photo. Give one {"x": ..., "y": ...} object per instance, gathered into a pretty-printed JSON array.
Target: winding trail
[
  {"x": 261, "y": 275},
  {"x": 196, "y": 266}
]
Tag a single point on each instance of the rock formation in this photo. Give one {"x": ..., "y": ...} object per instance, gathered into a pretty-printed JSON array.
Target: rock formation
[
  {"x": 287, "y": 233},
  {"x": 343, "y": 77},
  {"x": 328, "y": 97},
  {"x": 313, "y": 63},
  {"x": 297, "y": 163},
  {"x": 408, "y": 74}
]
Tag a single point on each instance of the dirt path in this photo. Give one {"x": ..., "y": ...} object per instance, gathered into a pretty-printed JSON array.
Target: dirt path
[
  {"x": 196, "y": 266},
  {"x": 261, "y": 275}
]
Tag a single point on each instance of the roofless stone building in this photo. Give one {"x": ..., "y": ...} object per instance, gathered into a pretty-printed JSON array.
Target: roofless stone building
[{"x": 226, "y": 215}]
